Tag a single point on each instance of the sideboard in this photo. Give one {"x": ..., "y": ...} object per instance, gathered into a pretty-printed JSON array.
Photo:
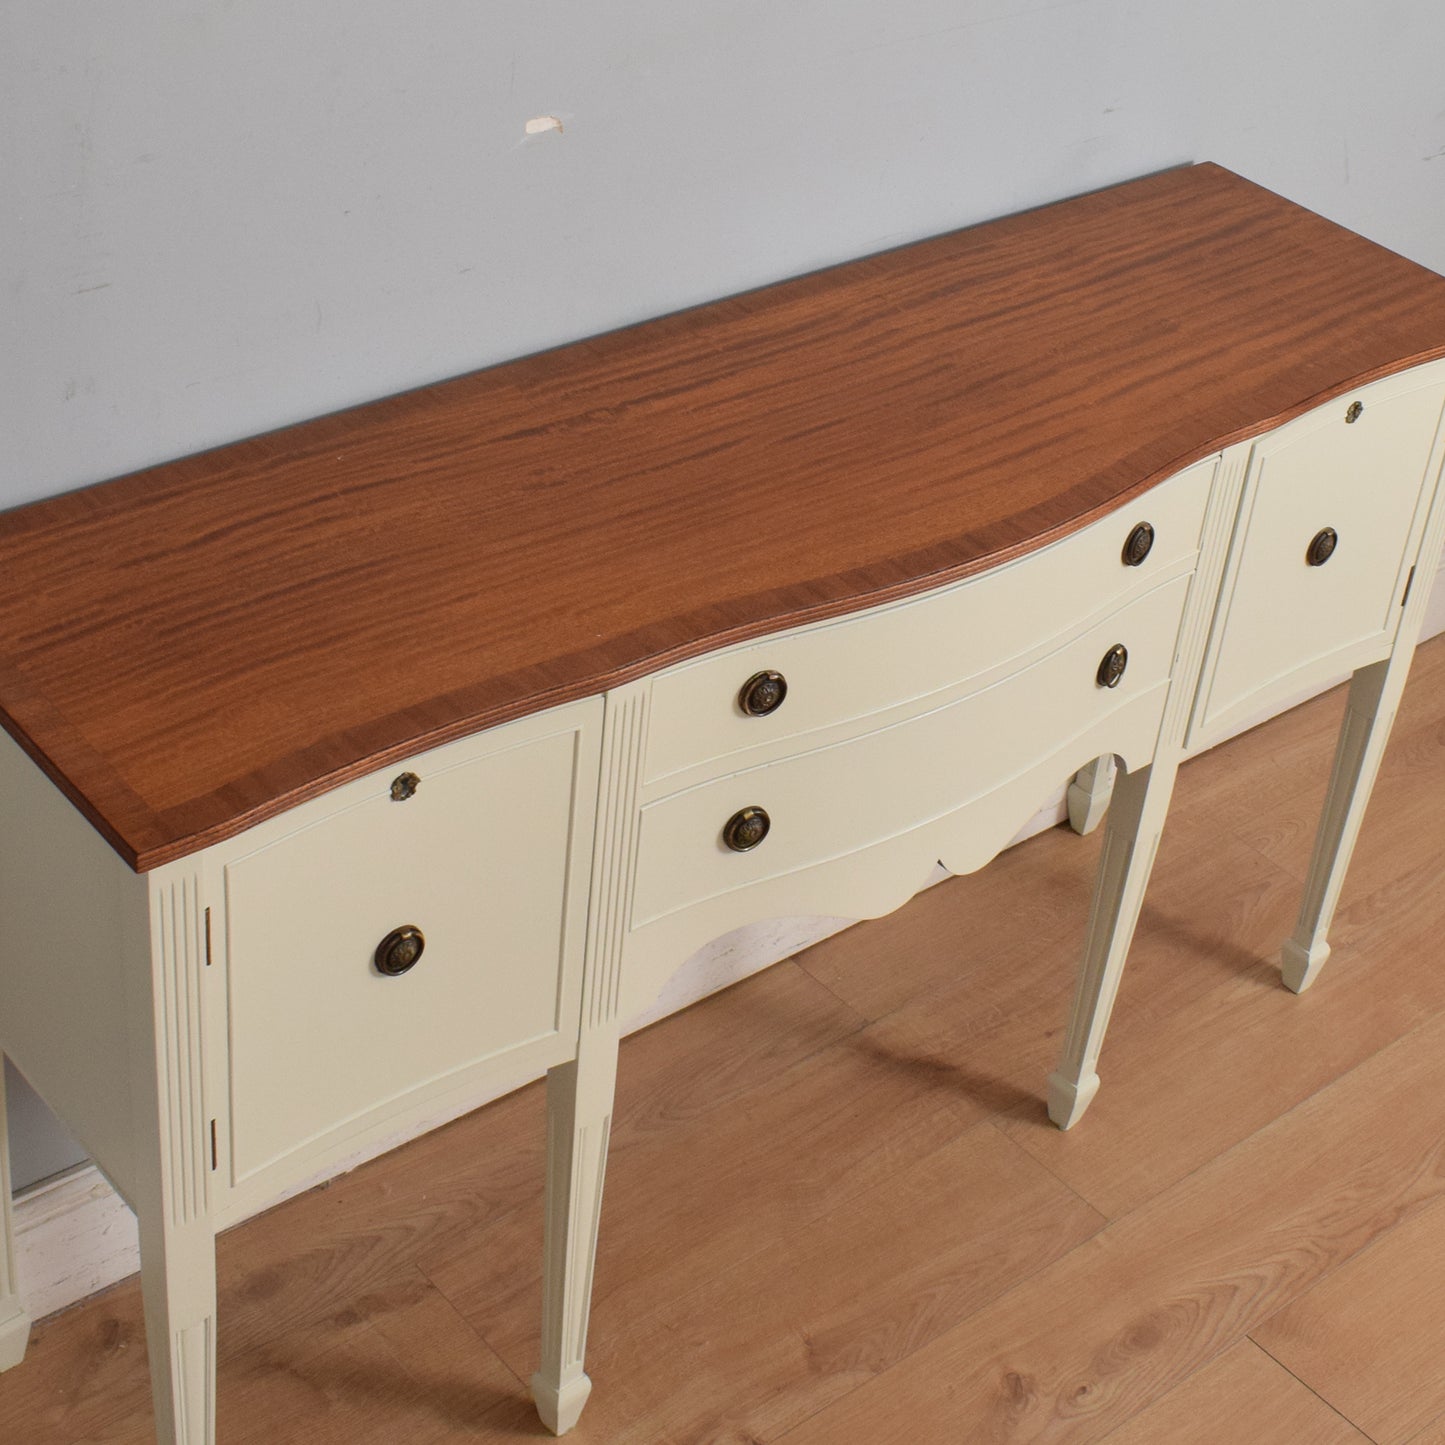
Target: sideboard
[{"x": 362, "y": 764}]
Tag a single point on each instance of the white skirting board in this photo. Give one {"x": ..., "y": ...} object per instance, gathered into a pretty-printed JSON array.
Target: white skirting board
[{"x": 75, "y": 1236}]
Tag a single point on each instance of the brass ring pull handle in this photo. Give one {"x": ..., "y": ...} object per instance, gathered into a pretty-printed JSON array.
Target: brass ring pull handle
[
  {"x": 1139, "y": 544},
  {"x": 1322, "y": 546},
  {"x": 399, "y": 950},
  {"x": 1112, "y": 665},
  {"x": 763, "y": 693},
  {"x": 746, "y": 829}
]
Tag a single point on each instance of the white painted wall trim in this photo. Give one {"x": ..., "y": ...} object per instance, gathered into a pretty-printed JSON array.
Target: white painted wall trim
[{"x": 75, "y": 1236}]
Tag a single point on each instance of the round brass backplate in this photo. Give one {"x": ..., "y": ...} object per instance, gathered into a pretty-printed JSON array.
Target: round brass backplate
[
  {"x": 746, "y": 829},
  {"x": 763, "y": 693},
  {"x": 400, "y": 950},
  {"x": 1112, "y": 665},
  {"x": 1322, "y": 546},
  {"x": 1139, "y": 544}
]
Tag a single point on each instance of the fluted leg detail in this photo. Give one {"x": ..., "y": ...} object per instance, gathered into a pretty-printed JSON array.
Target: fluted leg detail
[
  {"x": 1131, "y": 838},
  {"x": 1374, "y": 695},
  {"x": 178, "y": 1283},
  {"x": 579, "y": 1117}
]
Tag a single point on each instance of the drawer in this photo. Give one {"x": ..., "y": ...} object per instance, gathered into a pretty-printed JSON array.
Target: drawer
[
  {"x": 870, "y": 662},
  {"x": 488, "y": 859},
  {"x": 835, "y": 800},
  {"x": 1287, "y": 618}
]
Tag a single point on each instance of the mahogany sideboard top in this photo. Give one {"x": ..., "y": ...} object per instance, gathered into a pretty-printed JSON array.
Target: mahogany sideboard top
[{"x": 195, "y": 647}]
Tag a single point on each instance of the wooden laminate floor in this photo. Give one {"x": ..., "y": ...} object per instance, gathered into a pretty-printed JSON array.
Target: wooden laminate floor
[{"x": 836, "y": 1213}]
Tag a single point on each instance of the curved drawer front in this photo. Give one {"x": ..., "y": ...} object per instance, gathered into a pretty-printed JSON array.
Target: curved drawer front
[
  {"x": 487, "y": 859},
  {"x": 835, "y": 800},
  {"x": 869, "y": 662},
  {"x": 1350, "y": 475}
]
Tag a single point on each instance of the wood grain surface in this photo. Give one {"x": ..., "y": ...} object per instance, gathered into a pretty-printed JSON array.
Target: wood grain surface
[
  {"x": 1368, "y": 1338},
  {"x": 1242, "y": 1395},
  {"x": 195, "y": 647}
]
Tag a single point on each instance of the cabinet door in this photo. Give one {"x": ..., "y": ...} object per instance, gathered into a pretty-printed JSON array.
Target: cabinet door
[
  {"x": 1329, "y": 523},
  {"x": 487, "y": 858}
]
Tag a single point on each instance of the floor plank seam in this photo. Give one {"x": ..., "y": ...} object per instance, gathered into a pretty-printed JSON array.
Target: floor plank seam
[
  {"x": 1105, "y": 1218},
  {"x": 1354, "y": 1425},
  {"x": 473, "y": 1331},
  {"x": 1432, "y": 1428},
  {"x": 797, "y": 958},
  {"x": 1420, "y": 1023},
  {"x": 1296, "y": 874}
]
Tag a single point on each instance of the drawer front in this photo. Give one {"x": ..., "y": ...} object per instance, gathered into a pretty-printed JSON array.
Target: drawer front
[
  {"x": 870, "y": 662},
  {"x": 835, "y": 800},
  {"x": 487, "y": 859},
  {"x": 1286, "y": 612}
]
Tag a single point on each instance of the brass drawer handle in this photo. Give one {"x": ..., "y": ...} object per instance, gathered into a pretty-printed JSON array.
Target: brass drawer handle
[
  {"x": 1111, "y": 667},
  {"x": 399, "y": 950},
  {"x": 1322, "y": 546},
  {"x": 763, "y": 693},
  {"x": 746, "y": 829},
  {"x": 1354, "y": 412},
  {"x": 404, "y": 786},
  {"x": 1139, "y": 544}
]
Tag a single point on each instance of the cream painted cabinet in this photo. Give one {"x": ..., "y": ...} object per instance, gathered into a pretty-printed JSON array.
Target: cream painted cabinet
[
  {"x": 224, "y": 1029},
  {"x": 476, "y": 854},
  {"x": 1329, "y": 525},
  {"x": 861, "y": 790},
  {"x": 763, "y": 610},
  {"x": 975, "y": 712}
]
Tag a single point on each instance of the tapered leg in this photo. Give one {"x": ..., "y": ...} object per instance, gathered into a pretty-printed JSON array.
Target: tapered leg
[
  {"x": 579, "y": 1118},
  {"x": 178, "y": 1284},
  {"x": 1374, "y": 696},
  {"x": 14, "y": 1322},
  {"x": 1131, "y": 838},
  {"x": 1089, "y": 794},
  {"x": 174, "y": 1165}
]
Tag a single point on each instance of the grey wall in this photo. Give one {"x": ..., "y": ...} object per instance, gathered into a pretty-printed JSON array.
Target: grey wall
[
  {"x": 39, "y": 1146},
  {"x": 223, "y": 215},
  {"x": 219, "y": 217}
]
